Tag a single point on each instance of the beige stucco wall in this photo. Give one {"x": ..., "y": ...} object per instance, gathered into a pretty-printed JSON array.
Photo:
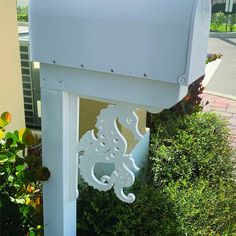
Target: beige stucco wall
[
  {"x": 11, "y": 93},
  {"x": 89, "y": 110}
]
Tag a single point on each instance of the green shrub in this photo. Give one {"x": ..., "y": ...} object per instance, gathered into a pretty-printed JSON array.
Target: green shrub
[
  {"x": 22, "y": 17},
  {"x": 191, "y": 147},
  {"x": 217, "y": 20},
  {"x": 221, "y": 22},
  {"x": 201, "y": 209},
  {"x": 213, "y": 57},
  {"x": 22, "y": 14},
  {"x": 232, "y": 22},
  {"x": 188, "y": 189},
  {"x": 21, "y": 174},
  {"x": 191, "y": 159},
  {"x": 101, "y": 213}
]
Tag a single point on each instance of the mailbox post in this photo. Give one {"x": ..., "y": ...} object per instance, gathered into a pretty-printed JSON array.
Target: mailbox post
[{"x": 130, "y": 54}]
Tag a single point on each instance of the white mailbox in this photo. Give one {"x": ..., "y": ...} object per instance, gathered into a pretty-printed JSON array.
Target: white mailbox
[
  {"x": 144, "y": 51},
  {"x": 129, "y": 53}
]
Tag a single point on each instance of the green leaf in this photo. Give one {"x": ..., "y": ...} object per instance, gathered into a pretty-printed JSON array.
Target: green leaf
[
  {"x": 3, "y": 158},
  {"x": 12, "y": 137},
  {"x": 20, "y": 146},
  {"x": 20, "y": 167},
  {"x": 32, "y": 233},
  {"x": 20, "y": 201},
  {"x": 17, "y": 200},
  {"x": 5, "y": 119},
  {"x": 11, "y": 178},
  {"x": 26, "y": 136},
  {"x": 2, "y": 123},
  {"x": 25, "y": 210},
  {"x": 6, "y": 153},
  {"x": 1, "y": 134},
  {"x": 6, "y": 116}
]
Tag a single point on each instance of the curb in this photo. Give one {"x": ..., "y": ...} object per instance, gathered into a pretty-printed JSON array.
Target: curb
[
  {"x": 222, "y": 35},
  {"x": 210, "y": 71},
  {"x": 231, "y": 97},
  {"x": 23, "y": 23}
]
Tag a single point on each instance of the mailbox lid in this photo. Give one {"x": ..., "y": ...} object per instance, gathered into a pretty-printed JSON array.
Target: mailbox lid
[{"x": 139, "y": 38}]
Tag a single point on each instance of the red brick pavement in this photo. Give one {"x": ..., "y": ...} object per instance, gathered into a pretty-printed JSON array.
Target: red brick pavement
[{"x": 226, "y": 108}]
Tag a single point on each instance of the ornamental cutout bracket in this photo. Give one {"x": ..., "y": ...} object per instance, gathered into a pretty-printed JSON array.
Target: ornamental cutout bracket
[{"x": 109, "y": 146}]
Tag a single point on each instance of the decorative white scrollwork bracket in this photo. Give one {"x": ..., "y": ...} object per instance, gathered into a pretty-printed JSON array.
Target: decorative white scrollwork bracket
[{"x": 108, "y": 145}]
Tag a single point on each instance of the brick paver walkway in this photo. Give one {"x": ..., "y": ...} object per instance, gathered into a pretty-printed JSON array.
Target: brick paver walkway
[{"x": 226, "y": 108}]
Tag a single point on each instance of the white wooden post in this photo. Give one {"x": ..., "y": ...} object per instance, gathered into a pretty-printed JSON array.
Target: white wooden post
[{"x": 59, "y": 199}]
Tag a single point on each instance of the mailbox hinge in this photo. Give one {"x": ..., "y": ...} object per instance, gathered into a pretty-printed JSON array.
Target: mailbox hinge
[{"x": 182, "y": 80}]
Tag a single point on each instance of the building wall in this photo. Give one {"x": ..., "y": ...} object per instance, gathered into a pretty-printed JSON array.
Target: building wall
[
  {"x": 89, "y": 110},
  {"x": 11, "y": 92},
  {"x": 22, "y": 3}
]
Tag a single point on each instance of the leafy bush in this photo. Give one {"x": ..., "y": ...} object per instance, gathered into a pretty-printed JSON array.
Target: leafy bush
[
  {"x": 213, "y": 57},
  {"x": 217, "y": 20},
  {"x": 101, "y": 213},
  {"x": 194, "y": 146},
  {"x": 22, "y": 14},
  {"x": 221, "y": 22},
  {"x": 188, "y": 189},
  {"x": 232, "y": 22},
  {"x": 201, "y": 209},
  {"x": 20, "y": 186},
  {"x": 192, "y": 160}
]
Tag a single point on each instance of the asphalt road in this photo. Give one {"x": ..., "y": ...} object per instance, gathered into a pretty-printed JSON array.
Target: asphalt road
[{"x": 224, "y": 80}]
